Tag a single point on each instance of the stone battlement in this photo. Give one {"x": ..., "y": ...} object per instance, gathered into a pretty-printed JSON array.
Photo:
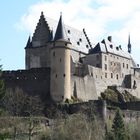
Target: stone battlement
[{"x": 34, "y": 82}]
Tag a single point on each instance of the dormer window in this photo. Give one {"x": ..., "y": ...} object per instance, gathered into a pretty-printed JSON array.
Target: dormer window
[
  {"x": 69, "y": 31},
  {"x": 111, "y": 46},
  {"x": 80, "y": 39},
  {"x": 78, "y": 43},
  {"x": 117, "y": 48},
  {"x": 87, "y": 46}
]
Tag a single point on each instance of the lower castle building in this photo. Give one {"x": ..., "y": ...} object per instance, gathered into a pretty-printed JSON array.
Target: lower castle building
[{"x": 61, "y": 63}]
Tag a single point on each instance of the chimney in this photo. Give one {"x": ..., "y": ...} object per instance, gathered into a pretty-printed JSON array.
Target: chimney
[
  {"x": 120, "y": 47},
  {"x": 110, "y": 38}
]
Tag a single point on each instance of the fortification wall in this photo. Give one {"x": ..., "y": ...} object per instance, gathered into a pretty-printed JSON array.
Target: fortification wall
[
  {"x": 38, "y": 57},
  {"x": 84, "y": 88},
  {"x": 99, "y": 108},
  {"x": 33, "y": 81},
  {"x": 96, "y": 107}
]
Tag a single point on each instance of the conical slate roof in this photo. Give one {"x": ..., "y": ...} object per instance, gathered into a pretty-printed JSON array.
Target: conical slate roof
[
  {"x": 129, "y": 44},
  {"x": 28, "y": 45},
  {"x": 60, "y": 32}
]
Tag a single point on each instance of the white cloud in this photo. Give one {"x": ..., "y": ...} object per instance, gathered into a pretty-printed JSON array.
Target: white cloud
[{"x": 98, "y": 17}]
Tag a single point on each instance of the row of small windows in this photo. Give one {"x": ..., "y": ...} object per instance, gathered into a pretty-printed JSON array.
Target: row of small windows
[
  {"x": 23, "y": 78},
  {"x": 124, "y": 65},
  {"x": 105, "y": 57},
  {"x": 80, "y": 39},
  {"x": 114, "y": 56},
  {"x": 127, "y": 66},
  {"x": 117, "y": 76},
  {"x": 117, "y": 48},
  {"x": 111, "y": 76},
  {"x": 110, "y": 56}
]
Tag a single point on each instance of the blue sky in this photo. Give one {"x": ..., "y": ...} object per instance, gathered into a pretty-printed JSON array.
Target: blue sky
[
  {"x": 12, "y": 40},
  {"x": 100, "y": 18}
]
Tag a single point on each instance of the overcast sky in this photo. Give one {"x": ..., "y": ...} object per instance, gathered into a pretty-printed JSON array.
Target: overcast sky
[{"x": 100, "y": 18}]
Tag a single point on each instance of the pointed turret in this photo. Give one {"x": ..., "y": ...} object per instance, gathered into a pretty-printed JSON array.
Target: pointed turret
[
  {"x": 129, "y": 44},
  {"x": 61, "y": 65},
  {"x": 51, "y": 35},
  {"x": 60, "y": 32},
  {"x": 28, "y": 45}
]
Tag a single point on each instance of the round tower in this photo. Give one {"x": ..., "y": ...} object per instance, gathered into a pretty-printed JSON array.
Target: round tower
[{"x": 60, "y": 66}]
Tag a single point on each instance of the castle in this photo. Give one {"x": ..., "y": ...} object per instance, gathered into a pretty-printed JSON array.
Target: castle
[{"x": 63, "y": 63}]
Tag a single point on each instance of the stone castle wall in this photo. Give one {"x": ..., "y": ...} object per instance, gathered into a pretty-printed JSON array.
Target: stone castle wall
[
  {"x": 130, "y": 111},
  {"x": 38, "y": 57},
  {"x": 33, "y": 82},
  {"x": 84, "y": 88}
]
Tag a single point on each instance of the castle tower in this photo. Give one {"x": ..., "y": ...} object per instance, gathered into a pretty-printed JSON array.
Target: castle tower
[
  {"x": 129, "y": 44},
  {"x": 37, "y": 50},
  {"x": 60, "y": 65}
]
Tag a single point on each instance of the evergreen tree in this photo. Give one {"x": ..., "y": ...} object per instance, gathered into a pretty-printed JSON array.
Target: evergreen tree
[{"x": 118, "y": 127}]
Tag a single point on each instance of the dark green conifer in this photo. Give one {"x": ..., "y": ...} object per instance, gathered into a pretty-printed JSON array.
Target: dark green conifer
[{"x": 118, "y": 127}]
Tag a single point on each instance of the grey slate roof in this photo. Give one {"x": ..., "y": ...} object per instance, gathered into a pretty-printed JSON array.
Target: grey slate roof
[
  {"x": 107, "y": 46},
  {"x": 76, "y": 37}
]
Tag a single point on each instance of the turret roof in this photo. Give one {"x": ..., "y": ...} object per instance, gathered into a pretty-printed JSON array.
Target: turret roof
[
  {"x": 61, "y": 32},
  {"x": 28, "y": 45}
]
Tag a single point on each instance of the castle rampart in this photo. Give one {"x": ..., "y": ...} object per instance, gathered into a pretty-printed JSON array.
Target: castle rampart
[{"x": 34, "y": 82}]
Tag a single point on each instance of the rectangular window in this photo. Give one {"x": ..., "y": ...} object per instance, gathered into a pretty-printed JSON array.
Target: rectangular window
[
  {"x": 117, "y": 76},
  {"x": 105, "y": 75},
  {"x": 105, "y": 66},
  {"x": 127, "y": 66},
  {"x": 111, "y": 75},
  {"x": 105, "y": 58}
]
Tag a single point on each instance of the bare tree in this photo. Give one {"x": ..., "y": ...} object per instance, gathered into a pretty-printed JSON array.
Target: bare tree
[
  {"x": 34, "y": 107},
  {"x": 18, "y": 104},
  {"x": 14, "y": 101}
]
